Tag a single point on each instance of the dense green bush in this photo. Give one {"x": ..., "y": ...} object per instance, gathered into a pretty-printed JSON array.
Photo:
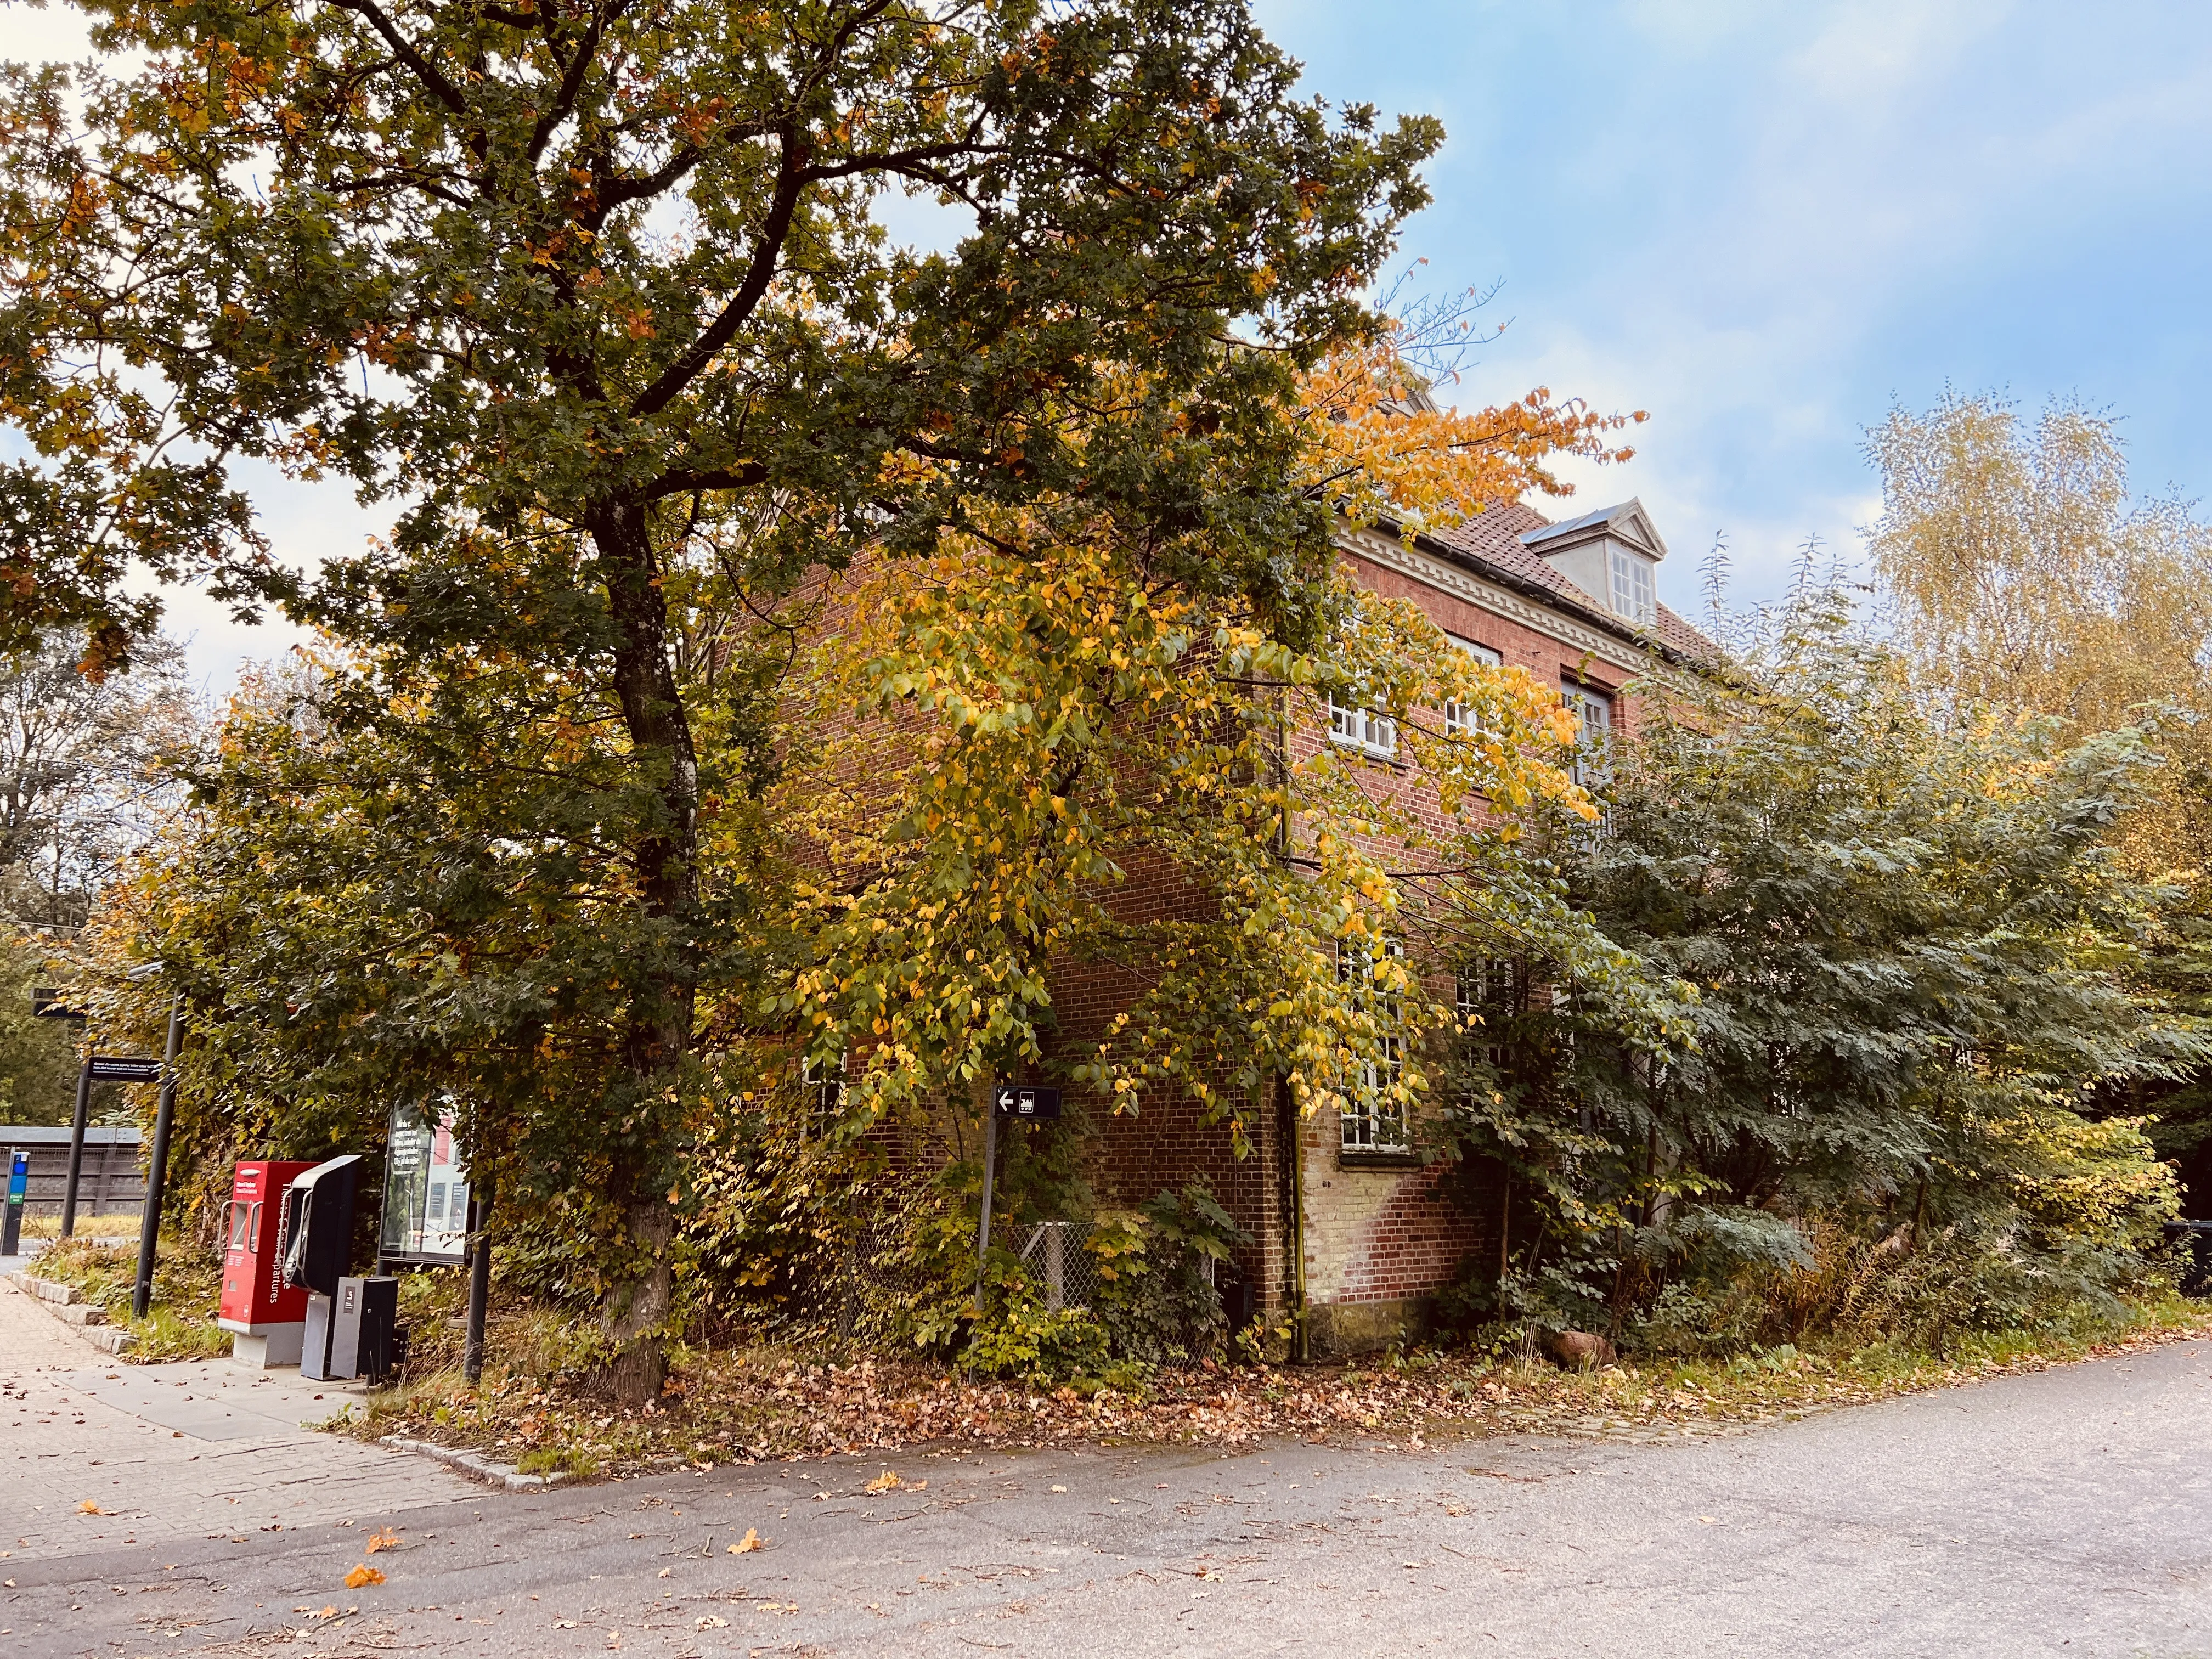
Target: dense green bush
[{"x": 1905, "y": 972}]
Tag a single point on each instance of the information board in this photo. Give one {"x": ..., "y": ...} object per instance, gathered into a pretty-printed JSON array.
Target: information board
[
  {"x": 124, "y": 1068},
  {"x": 426, "y": 1188}
]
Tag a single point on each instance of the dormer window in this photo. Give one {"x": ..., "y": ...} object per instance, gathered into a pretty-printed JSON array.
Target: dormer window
[
  {"x": 1610, "y": 557},
  {"x": 1631, "y": 586}
]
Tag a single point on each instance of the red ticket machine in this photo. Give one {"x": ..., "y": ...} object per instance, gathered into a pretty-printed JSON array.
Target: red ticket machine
[{"x": 266, "y": 1317}]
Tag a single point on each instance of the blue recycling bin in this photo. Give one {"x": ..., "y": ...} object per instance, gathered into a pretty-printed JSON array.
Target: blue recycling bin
[{"x": 19, "y": 1183}]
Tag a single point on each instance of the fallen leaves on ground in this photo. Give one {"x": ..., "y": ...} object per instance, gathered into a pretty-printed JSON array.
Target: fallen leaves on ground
[
  {"x": 88, "y": 1507},
  {"x": 749, "y": 1406},
  {"x": 385, "y": 1539},
  {"x": 748, "y": 1544},
  {"x": 362, "y": 1575}
]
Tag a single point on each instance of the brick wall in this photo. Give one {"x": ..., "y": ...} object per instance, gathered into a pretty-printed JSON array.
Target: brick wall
[
  {"x": 1375, "y": 1240},
  {"x": 1380, "y": 1239}
]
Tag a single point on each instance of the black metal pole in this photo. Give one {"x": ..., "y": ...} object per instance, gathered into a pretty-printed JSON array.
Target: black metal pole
[
  {"x": 157, "y": 1163},
  {"x": 76, "y": 1141},
  {"x": 983, "y": 1221},
  {"x": 472, "y": 1346}
]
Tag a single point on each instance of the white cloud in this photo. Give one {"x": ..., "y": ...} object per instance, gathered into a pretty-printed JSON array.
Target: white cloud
[
  {"x": 47, "y": 35},
  {"x": 1761, "y": 223},
  {"x": 1872, "y": 52}
]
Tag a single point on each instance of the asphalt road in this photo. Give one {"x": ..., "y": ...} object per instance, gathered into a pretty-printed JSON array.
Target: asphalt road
[{"x": 2069, "y": 1512}]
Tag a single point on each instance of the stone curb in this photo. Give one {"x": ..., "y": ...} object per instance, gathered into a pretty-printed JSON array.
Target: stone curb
[
  {"x": 47, "y": 1289},
  {"x": 478, "y": 1466},
  {"x": 88, "y": 1323}
]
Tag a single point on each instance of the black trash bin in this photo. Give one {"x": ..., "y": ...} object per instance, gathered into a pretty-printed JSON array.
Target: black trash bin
[{"x": 363, "y": 1318}]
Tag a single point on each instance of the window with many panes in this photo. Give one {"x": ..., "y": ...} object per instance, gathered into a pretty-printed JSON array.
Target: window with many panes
[
  {"x": 1374, "y": 1121},
  {"x": 822, "y": 1093},
  {"x": 1489, "y": 995},
  {"x": 1593, "y": 713},
  {"x": 1458, "y": 719},
  {"x": 1631, "y": 587},
  {"x": 1361, "y": 728}
]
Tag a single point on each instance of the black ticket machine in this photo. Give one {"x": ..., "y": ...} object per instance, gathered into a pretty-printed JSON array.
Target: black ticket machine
[{"x": 349, "y": 1319}]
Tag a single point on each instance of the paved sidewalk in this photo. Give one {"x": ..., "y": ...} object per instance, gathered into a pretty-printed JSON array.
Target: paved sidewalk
[{"x": 97, "y": 1454}]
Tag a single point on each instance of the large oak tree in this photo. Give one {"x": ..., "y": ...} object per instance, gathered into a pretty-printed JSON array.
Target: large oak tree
[{"x": 596, "y": 296}]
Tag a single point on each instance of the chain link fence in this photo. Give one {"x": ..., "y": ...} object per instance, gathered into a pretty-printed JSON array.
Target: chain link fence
[{"x": 1056, "y": 1258}]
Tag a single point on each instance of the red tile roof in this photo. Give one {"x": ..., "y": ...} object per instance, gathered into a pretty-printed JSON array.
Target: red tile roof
[{"x": 1493, "y": 539}]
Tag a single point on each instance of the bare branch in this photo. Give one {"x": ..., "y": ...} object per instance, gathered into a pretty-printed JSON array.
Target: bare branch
[
  {"x": 425, "y": 71},
  {"x": 572, "y": 83},
  {"x": 724, "y": 329},
  {"x": 742, "y": 476}
]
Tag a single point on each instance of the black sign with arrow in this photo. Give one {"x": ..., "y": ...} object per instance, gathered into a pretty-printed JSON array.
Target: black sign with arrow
[{"x": 1022, "y": 1100}]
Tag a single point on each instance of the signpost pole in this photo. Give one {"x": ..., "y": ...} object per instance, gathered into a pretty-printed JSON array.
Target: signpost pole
[
  {"x": 76, "y": 1143},
  {"x": 47, "y": 1004},
  {"x": 472, "y": 1346},
  {"x": 990, "y": 1161},
  {"x": 157, "y": 1164},
  {"x": 1026, "y": 1103}
]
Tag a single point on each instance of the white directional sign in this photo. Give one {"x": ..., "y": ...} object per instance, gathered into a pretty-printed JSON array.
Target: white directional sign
[{"x": 117, "y": 1068}]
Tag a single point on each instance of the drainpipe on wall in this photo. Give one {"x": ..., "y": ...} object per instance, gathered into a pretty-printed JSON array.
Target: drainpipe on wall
[
  {"x": 1299, "y": 1351},
  {"x": 1293, "y": 1148}
]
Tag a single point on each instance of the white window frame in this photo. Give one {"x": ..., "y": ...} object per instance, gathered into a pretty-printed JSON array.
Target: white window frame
[
  {"x": 1593, "y": 720},
  {"x": 1631, "y": 576},
  {"x": 1488, "y": 982},
  {"x": 1370, "y": 1122},
  {"x": 822, "y": 1095},
  {"x": 1458, "y": 722},
  {"x": 1489, "y": 987},
  {"x": 1362, "y": 729}
]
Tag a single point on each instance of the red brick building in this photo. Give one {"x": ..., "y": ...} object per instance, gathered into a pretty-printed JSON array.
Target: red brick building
[{"x": 1350, "y": 1228}]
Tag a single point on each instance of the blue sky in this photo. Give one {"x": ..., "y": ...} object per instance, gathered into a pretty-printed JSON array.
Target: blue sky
[
  {"x": 1764, "y": 222},
  {"x": 1761, "y": 221}
]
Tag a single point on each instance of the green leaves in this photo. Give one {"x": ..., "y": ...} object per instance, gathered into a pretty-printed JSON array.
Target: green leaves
[
  {"x": 598, "y": 299},
  {"x": 1906, "y": 951}
]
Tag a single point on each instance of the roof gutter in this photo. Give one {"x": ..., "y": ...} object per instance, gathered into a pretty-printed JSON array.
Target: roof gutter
[{"x": 1604, "y": 621}]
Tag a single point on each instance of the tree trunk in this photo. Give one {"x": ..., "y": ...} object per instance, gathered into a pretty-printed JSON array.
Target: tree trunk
[
  {"x": 642, "y": 1293},
  {"x": 637, "y": 1306}
]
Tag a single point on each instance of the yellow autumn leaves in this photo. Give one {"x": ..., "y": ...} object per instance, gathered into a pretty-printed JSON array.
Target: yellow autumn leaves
[{"x": 1041, "y": 732}]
